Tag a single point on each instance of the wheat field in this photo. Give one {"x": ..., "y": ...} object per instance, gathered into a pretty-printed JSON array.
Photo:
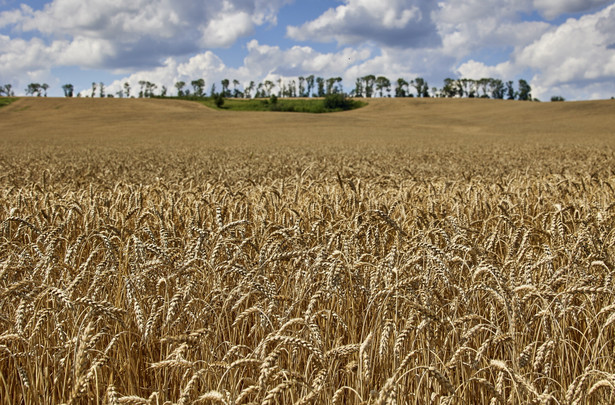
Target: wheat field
[{"x": 410, "y": 252}]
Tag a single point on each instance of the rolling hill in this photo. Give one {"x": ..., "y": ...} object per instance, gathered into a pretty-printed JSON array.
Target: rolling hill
[{"x": 388, "y": 121}]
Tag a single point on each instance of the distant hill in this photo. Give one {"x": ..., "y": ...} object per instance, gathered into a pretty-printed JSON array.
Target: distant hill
[{"x": 381, "y": 122}]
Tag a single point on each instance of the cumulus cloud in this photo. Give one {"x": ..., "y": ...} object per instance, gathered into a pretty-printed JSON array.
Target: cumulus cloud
[
  {"x": 577, "y": 54},
  {"x": 12, "y": 17},
  {"x": 165, "y": 41},
  {"x": 477, "y": 70},
  {"x": 468, "y": 25},
  {"x": 393, "y": 23},
  {"x": 394, "y": 64},
  {"x": 224, "y": 31},
  {"x": 576, "y": 50},
  {"x": 206, "y": 65},
  {"x": 263, "y": 62},
  {"x": 25, "y": 61},
  {"x": 19, "y": 55},
  {"x": 142, "y": 32},
  {"x": 554, "y": 8},
  {"x": 299, "y": 60},
  {"x": 476, "y": 11}
]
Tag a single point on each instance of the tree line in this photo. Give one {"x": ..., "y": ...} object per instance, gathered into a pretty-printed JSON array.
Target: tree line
[{"x": 311, "y": 86}]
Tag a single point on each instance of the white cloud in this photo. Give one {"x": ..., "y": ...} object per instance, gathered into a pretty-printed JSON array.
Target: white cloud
[
  {"x": 394, "y": 38},
  {"x": 12, "y": 17},
  {"x": 26, "y": 61},
  {"x": 577, "y": 50},
  {"x": 477, "y": 70},
  {"x": 576, "y": 55},
  {"x": 142, "y": 32},
  {"x": 223, "y": 32},
  {"x": 263, "y": 62},
  {"x": 476, "y": 11},
  {"x": 28, "y": 55},
  {"x": 85, "y": 52},
  {"x": 395, "y": 23},
  {"x": 299, "y": 60},
  {"x": 554, "y": 8},
  {"x": 469, "y": 25},
  {"x": 121, "y": 36},
  {"x": 206, "y": 65},
  {"x": 390, "y": 64},
  {"x": 202, "y": 65}
]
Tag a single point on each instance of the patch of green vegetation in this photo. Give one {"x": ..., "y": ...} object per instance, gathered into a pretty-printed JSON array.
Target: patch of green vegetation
[
  {"x": 4, "y": 101},
  {"x": 331, "y": 103}
]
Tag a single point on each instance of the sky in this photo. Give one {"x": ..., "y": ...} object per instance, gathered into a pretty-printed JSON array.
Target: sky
[{"x": 561, "y": 47}]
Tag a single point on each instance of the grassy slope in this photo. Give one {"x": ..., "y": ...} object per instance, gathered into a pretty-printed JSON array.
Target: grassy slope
[
  {"x": 4, "y": 101},
  {"x": 311, "y": 105},
  {"x": 385, "y": 122}
]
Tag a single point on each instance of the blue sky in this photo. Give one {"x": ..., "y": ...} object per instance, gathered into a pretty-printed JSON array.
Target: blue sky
[{"x": 562, "y": 47}]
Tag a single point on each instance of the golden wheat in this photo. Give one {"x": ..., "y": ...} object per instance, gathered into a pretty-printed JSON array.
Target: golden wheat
[{"x": 439, "y": 273}]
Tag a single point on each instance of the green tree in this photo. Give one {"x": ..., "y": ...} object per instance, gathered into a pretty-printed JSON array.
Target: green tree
[
  {"x": 269, "y": 85},
  {"x": 127, "y": 89},
  {"x": 337, "y": 86},
  {"x": 497, "y": 88},
  {"x": 225, "y": 87},
  {"x": 471, "y": 88},
  {"x": 180, "y": 88},
  {"x": 421, "y": 86},
  {"x": 465, "y": 86},
  {"x": 292, "y": 88},
  {"x": 68, "y": 90},
  {"x": 558, "y": 98},
  {"x": 332, "y": 85},
  {"x": 236, "y": 92},
  {"x": 7, "y": 90},
  {"x": 510, "y": 90},
  {"x": 450, "y": 88},
  {"x": 34, "y": 89},
  {"x": 320, "y": 83},
  {"x": 368, "y": 85},
  {"x": 218, "y": 99},
  {"x": 302, "y": 86},
  {"x": 198, "y": 86},
  {"x": 101, "y": 91},
  {"x": 281, "y": 87},
  {"x": 248, "y": 90},
  {"x": 93, "y": 89},
  {"x": 310, "y": 85},
  {"x": 329, "y": 83},
  {"x": 401, "y": 90},
  {"x": 259, "y": 91},
  {"x": 483, "y": 84},
  {"x": 150, "y": 88},
  {"x": 382, "y": 84},
  {"x": 358, "y": 87},
  {"x": 337, "y": 101},
  {"x": 525, "y": 90}
]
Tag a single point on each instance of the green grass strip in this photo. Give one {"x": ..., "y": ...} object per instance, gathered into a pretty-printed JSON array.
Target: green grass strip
[
  {"x": 314, "y": 106},
  {"x": 4, "y": 101}
]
